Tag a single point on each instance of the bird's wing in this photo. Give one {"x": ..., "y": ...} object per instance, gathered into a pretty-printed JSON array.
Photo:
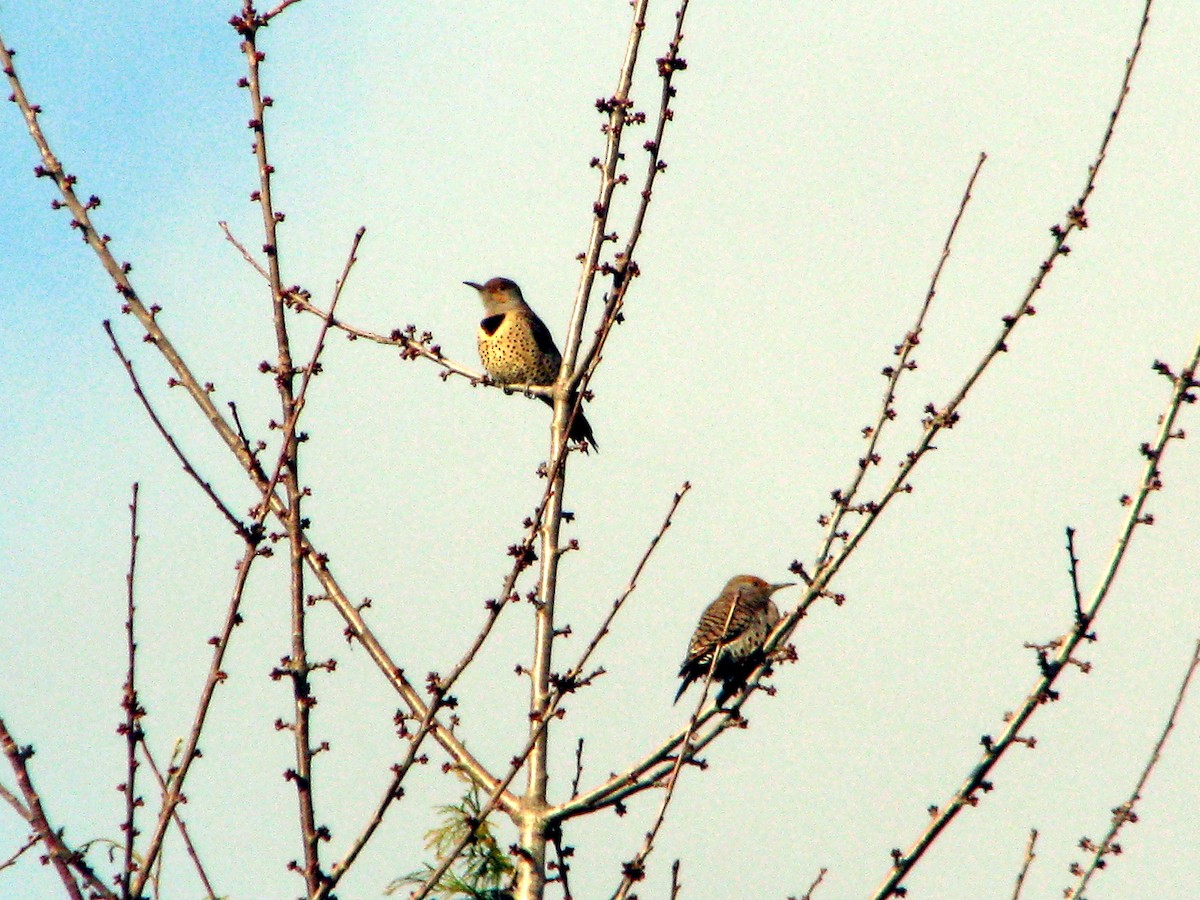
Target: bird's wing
[
  {"x": 541, "y": 334},
  {"x": 712, "y": 629}
]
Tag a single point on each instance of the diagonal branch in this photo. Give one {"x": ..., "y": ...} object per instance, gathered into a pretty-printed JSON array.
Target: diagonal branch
[
  {"x": 205, "y": 486},
  {"x": 559, "y": 688},
  {"x": 634, "y": 870},
  {"x": 173, "y": 794},
  {"x": 179, "y": 823},
  {"x": 1030, "y": 856},
  {"x": 844, "y": 500},
  {"x": 1125, "y": 813},
  {"x": 947, "y": 417},
  {"x": 1051, "y": 667},
  {"x": 21, "y": 851},
  {"x": 58, "y": 854},
  {"x": 317, "y": 561}
]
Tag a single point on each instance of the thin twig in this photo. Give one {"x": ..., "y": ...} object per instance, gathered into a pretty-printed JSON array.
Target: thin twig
[
  {"x": 411, "y": 345},
  {"x": 58, "y": 855},
  {"x": 216, "y": 675},
  {"x": 577, "y": 670},
  {"x": 807, "y": 895},
  {"x": 1126, "y": 811},
  {"x": 675, "y": 884},
  {"x": 268, "y": 16},
  {"x": 241, "y": 248},
  {"x": 946, "y": 417},
  {"x": 310, "y": 370},
  {"x": 1026, "y": 863},
  {"x": 559, "y": 688},
  {"x": 634, "y": 870},
  {"x": 356, "y": 627},
  {"x": 578, "y": 768},
  {"x": 624, "y": 268},
  {"x": 12, "y": 800},
  {"x": 844, "y": 500},
  {"x": 1051, "y": 667},
  {"x": 393, "y": 793},
  {"x": 1074, "y": 572},
  {"x": 12, "y": 860},
  {"x": 564, "y": 867},
  {"x": 131, "y": 727},
  {"x": 179, "y": 823},
  {"x": 205, "y": 486},
  {"x": 297, "y": 667}
]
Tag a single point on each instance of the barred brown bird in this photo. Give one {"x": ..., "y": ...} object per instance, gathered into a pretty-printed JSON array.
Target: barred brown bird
[
  {"x": 516, "y": 347},
  {"x": 737, "y": 623}
]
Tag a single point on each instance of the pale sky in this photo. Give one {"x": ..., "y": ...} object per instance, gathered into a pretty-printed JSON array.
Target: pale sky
[{"x": 816, "y": 160}]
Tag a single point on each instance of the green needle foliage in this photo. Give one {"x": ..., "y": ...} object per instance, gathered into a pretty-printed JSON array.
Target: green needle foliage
[{"x": 483, "y": 871}]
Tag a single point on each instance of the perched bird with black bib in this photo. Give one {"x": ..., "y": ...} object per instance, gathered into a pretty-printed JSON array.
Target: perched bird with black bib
[
  {"x": 734, "y": 627},
  {"x": 516, "y": 347}
]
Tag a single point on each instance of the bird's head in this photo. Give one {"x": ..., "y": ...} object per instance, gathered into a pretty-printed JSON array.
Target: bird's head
[
  {"x": 753, "y": 590},
  {"x": 498, "y": 295}
]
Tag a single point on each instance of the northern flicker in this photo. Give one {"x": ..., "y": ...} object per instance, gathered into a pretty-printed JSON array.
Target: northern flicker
[
  {"x": 515, "y": 346},
  {"x": 737, "y": 623}
]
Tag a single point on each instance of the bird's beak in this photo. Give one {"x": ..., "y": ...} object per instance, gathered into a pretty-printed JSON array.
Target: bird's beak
[
  {"x": 777, "y": 587},
  {"x": 478, "y": 287}
]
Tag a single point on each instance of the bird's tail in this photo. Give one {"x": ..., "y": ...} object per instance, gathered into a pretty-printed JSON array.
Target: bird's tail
[
  {"x": 687, "y": 680},
  {"x": 581, "y": 431},
  {"x": 581, "y": 428},
  {"x": 689, "y": 672}
]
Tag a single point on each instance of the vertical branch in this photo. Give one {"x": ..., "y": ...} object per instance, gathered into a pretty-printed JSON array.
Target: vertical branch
[
  {"x": 947, "y": 417},
  {"x": 1073, "y": 569},
  {"x": 129, "y": 702},
  {"x": 532, "y": 820},
  {"x": 546, "y": 820},
  {"x": 297, "y": 666},
  {"x": 615, "y": 107},
  {"x": 624, "y": 269}
]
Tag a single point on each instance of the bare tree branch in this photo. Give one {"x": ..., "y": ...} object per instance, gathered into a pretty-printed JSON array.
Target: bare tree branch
[
  {"x": 634, "y": 870},
  {"x": 205, "y": 486},
  {"x": 1025, "y": 863},
  {"x": 808, "y": 895},
  {"x": 12, "y": 860},
  {"x": 1053, "y": 666},
  {"x": 179, "y": 823},
  {"x": 844, "y": 501},
  {"x": 559, "y": 688},
  {"x": 131, "y": 728},
  {"x": 173, "y": 794},
  {"x": 58, "y": 854},
  {"x": 1126, "y": 812}
]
